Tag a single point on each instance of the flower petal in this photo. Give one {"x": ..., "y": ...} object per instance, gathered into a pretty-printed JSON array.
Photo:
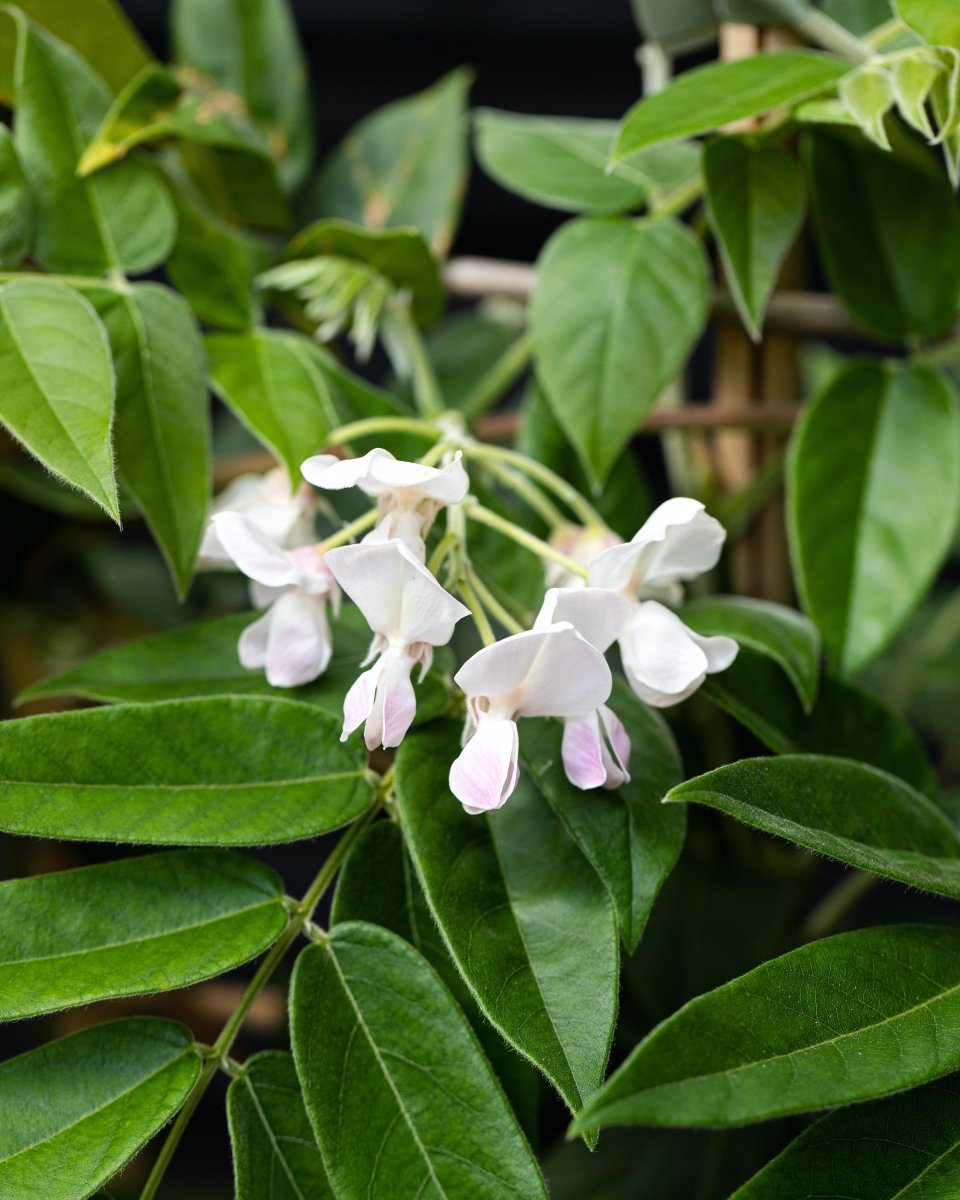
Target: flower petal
[
  {"x": 252, "y": 646},
  {"x": 486, "y": 771},
  {"x": 265, "y": 500},
  {"x": 299, "y": 645},
  {"x": 445, "y": 485},
  {"x": 595, "y": 613},
  {"x": 396, "y": 702},
  {"x": 333, "y": 474},
  {"x": 396, "y": 593},
  {"x": 257, "y": 555},
  {"x": 662, "y": 659},
  {"x": 358, "y": 702},
  {"x": 582, "y": 752},
  {"x": 616, "y": 748}
]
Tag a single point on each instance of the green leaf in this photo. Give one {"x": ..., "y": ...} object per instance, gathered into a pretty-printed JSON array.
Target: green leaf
[
  {"x": 780, "y": 633},
  {"x": 162, "y": 427},
  {"x": 174, "y": 919},
  {"x": 873, "y": 483},
  {"x": 897, "y": 277},
  {"x": 159, "y": 104},
  {"x": 631, "y": 839},
  {"x": 937, "y": 21},
  {"x": 123, "y": 218},
  {"x": 76, "y": 1110},
  {"x": 617, "y": 308},
  {"x": 903, "y": 1148},
  {"x": 221, "y": 771},
  {"x": 913, "y": 80},
  {"x": 213, "y": 264},
  {"x": 868, "y": 94},
  {"x": 845, "y": 721},
  {"x": 678, "y": 26},
  {"x": 405, "y": 164},
  {"x": 845, "y": 809},
  {"x": 400, "y": 255},
  {"x": 271, "y": 381},
  {"x": 844, "y": 1019},
  {"x": 755, "y": 202},
  {"x": 252, "y": 49},
  {"x": 242, "y": 187},
  {"x": 275, "y": 1154},
  {"x": 708, "y": 97},
  {"x": 400, "y": 1096},
  {"x": 60, "y": 406},
  {"x": 506, "y": 914},
  {"x": 18, "y": 209},
  {"x": 201, "y": 660},
  {"x": 561, "y": 162}
]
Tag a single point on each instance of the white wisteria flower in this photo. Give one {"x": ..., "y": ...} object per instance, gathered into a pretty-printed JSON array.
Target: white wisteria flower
[
  {"x": 580, "y": 544},
  {"x": 664, "y": 661},
  {"x": 292, "y": 639},
  {"x": 596, "y": 748},
  {"x": 409, "y": 614},
  {"x": 267, "y": 502},
  {"x": 548, "y": 672},
  {"x": 409, "y": 495}
]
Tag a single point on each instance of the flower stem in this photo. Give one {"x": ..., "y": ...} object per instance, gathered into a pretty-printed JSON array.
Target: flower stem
[
  {"x": 373, "y": 425},
  {"x": 492, "y": 604},
  {"x": 473, "y": 602},
  {"x": 426, "y": 389},
  {"x": 228, "y": 1035},
  {"x": 565, "y": 491},
  {"x": 504, "y": 372},
  {"x": 348, "y": 532},
  {"x": 542, "y": 549},
  {"x": 823, "y": 30},
  {"x": 529, "y": 492}
]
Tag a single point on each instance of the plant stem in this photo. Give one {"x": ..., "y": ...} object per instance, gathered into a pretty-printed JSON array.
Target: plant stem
[
  {"x": 117, "y": 284},
  {"x": 542, "y": 549},
  {"x": 473, "y": 602},
  {"x": 426, "y": 389},
  {"x": 887, "y": 32},
  {"x": 372, "y": 425},
  {"x": 565, "y": 491},
  {"x": 492, "y": 604},
  {"x": 824, "y": 31},
  {"x": 836, "y": 906},
  {"x": 530, "y": 493},
  {"x": 673, "y": 203},
  {"x": 228, "y": 1035},
  {"x": 443, "y": 548},
  {"x": 505, "y": 371},
  {"x": 348, "y": 532}
]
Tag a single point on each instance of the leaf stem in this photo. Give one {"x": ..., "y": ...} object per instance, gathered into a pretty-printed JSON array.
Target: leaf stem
[
  {"x": 542, "y": 549},
  {"x": 816, "y": 26},
  {"x": 672, "y": 203},
  {"x": 118, "y": 284},
  {"x": 373, "y": 425},
  {"x": 504, "y": 372},
  {"x": 426, "y": 389},
  {"x": 228, "y": 1035},
  {"x": 830, "y": 914},
  {"x": 565, "y": 491},
  {"x": 529, "y": 492},
  {"x": 492, "y": 604},
  {"x": 473, "y": 602}
]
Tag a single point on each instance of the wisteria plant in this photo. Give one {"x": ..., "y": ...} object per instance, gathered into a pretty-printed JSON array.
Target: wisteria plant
[{"x": 589, "y": 831}]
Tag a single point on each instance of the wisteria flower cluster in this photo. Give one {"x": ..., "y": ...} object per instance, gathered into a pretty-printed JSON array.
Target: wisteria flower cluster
[{"x": 601, "y": 591}]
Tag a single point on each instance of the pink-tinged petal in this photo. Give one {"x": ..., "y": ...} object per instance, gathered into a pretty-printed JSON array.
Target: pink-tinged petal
[
  {"x": 595, "y": 613},
  {"x": 568, "y": 678},
  {"x": 396, "y": 593},
  {"x": 299, "y": 645},
  {"x": 616, "y": 748},
  {"x": 358, "y": 702},
  {"x": 582, "y": 752},
  {"x": 662, "y": 661},
  {"x": 334, "y": 474},
  {"x": 400, "y": 524},
  {"x": 399, "y": 704},
  {"x": 313, "y": 575},
  {"x": 486, "y": 771},
  {"x": 257, "y": 556},
  {"x": 252, "y": 647},
  {"x": 266, "y": 502}
]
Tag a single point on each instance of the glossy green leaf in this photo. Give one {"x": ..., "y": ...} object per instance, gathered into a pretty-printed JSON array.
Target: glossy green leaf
[
  {"x": 561, "y": 162},
  {"x": 780, "y": 633},
  {"x": 617, "y": 308},
  {"x": 913, "y": 80},
  {"x": 400, "y": 255},
  {"x": 18, "y": 209},
  {"x": 174, "y": 919},
  {"x": 123, "y": 217},
  {"x": 212, "y": 264},
  {"x": 275, "y": 1155},
  {"x": 506, "y": 913},
  {"x": 873, "y": 485},
  {"x": 400, "y": 1097},
  {"x": 899, "y": 278},
  {"x": 219, "y": 771},
  {"x": 252, "y": 49},
  {"x": 60, "y": 406},
  {"x": 844, "y": 1019},
  {"x": 937, "y": 21},
  {"x": 631, "y": 839},
  {"x": 162, "y": 427},
  {"x": 845, "y": 809},
  {"x": 755, "y": 201},
  {"x": 201, "y": 660},
  {"x": 76, "y": 1110},
  {"x": 708, "y": 97},
  {"x": 845, "y": 721},
  {"x": 271, "y": 381},
  {"x": 405, "y": 164},
  {"x": 868, "y": 95},
  {"x": 242, "y": 187},
  {"x": 903, "y": 1148},
  {"x": 378, "y": 884},
  {"x": 159, "y": 104}
]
